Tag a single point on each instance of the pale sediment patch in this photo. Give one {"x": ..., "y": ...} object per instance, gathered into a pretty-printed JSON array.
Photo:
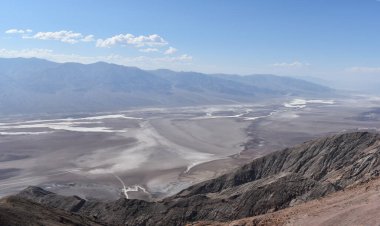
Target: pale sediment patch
[
  {"x": 67, "y": 126},
  {"x": 126, "y": 189},
  {"x": 195, "y": 163},
  {"x": 150, "y": 145},
  {"x": 70, "y": 119},
  {"x": 117, "y": 116},
  {"x": 23, "y": 133},
  {"x": 212, "y": 113},
  {"x": 302, "y": 103}
]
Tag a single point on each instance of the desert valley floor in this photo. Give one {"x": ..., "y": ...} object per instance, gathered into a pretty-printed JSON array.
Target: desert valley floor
[{"x": 155, "y": 152}]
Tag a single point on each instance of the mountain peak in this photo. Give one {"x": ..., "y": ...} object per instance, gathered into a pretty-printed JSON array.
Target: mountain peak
[{"x": 49, "y": 87}]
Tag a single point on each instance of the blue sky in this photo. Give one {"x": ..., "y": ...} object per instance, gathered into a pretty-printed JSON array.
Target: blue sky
[{"x": 317, "y": 38}]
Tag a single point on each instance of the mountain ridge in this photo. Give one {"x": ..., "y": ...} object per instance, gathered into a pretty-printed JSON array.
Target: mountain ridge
[
  {"x": 40, "y": 86},
  {"x": 279, "y": 180}
]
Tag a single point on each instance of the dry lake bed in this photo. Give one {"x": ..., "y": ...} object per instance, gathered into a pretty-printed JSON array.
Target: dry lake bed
[{"x": 151, "y": 153}]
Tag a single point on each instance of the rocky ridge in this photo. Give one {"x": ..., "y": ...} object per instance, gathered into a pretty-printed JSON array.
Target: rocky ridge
[{"x": 279, "y": 180}]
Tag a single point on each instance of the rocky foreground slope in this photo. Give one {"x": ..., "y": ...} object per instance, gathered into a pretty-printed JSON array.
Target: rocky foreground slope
[
  {"x": 279, "y": 180},
  {"x": 359, "y": 205}
]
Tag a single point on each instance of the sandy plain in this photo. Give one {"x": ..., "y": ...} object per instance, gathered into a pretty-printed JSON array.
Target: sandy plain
[{"x": 155, "y": 152}]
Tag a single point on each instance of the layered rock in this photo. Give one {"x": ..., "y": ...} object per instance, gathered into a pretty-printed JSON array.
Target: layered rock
[{"x": 308, "y": 171}]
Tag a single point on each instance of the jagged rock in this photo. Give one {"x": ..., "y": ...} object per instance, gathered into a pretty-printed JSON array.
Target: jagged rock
[
  {"x": 276, "y": 181},
  {"x": 19, "y": 211}
]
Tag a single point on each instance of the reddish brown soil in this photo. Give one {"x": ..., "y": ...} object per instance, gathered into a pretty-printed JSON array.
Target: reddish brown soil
[{"x": 356, "y": 206}]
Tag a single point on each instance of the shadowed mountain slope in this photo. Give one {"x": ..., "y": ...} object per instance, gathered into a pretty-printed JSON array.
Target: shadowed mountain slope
[
  {"x": 40, "y": 86},
  {"x": 294, "y": 175}
]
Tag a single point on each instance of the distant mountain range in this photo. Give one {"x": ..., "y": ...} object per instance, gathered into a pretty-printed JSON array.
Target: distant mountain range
[{"x": 39, "y": 86}]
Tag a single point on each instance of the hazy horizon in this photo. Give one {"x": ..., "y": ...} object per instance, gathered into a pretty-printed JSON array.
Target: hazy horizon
[
  {"x": 319, "y": 39},
  {"x": 191, "y": 112}
]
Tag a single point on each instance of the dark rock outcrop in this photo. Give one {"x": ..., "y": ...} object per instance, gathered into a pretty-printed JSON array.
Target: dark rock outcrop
[
  {"x": 281, "y": 179},
  {"x": 18, "y": 211}
]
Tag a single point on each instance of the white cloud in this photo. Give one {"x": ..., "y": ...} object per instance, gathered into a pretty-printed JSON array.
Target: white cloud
[
  {"x": 25, "y": 53},
  {"x": 18, "y": 31},
  {"x": 148, "y": 43},
  {"x": 140, "y": 61},
  {"x": 148, "y": 50},
  {"x": 129, "y": 39},
  {"x": 88, "y": 38},
  {"x": 365, "y": 70},
  {"x": 171, "y": 50},
  {"x": 63, "y": 36},
  {"x": 185, "y": 57},
  {"x": 295, "y": 64}
]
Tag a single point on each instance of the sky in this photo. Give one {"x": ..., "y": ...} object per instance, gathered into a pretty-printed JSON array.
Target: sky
[{"x": 320, "y": 38}]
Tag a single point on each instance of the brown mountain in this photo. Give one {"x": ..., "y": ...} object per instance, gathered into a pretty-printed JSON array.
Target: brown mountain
[{"x": 274, "y": 182}]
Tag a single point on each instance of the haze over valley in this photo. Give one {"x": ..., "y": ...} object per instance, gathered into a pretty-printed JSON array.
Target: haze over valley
[
  {"x": 157, "y": 150},
  {"x": 100, "y": 127},
  {"x": 36, "y": 86},
  {"x": 189, "y": 113}
]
